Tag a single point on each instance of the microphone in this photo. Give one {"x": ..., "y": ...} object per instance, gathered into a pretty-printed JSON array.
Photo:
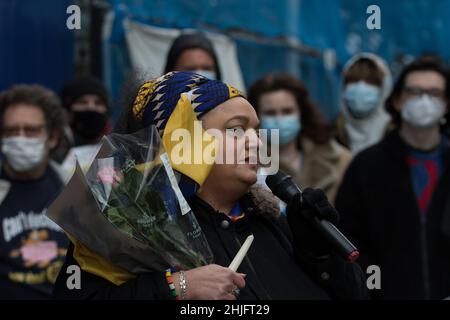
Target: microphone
[{"x": 284, "y": 188}]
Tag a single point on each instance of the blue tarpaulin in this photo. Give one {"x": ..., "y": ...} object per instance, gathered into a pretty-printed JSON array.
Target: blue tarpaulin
[
  {"x": 270, "y": 35},
  {"x": 408, "y": 28},
  {"x": 35, "y": 44}
]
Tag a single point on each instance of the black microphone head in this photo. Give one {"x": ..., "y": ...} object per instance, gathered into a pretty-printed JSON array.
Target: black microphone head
[
  {"x": 274, "y": 180},
  {"x": 282, "y": 186}
]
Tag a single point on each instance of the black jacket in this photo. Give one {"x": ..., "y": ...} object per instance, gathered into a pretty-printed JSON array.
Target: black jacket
[
  {"x": 379, "y": 212},
  {"x": 274, "y": 270}
]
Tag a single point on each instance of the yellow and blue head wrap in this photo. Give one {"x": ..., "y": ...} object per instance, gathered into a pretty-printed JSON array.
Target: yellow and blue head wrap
[{"x": 176, "y": 100}]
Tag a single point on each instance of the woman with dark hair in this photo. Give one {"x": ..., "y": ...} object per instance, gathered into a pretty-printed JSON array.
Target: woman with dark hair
[
  {"x": 307, "y": 151},
  {"x": 193, "y": 52},
  {"x": 287, "y": 260}
]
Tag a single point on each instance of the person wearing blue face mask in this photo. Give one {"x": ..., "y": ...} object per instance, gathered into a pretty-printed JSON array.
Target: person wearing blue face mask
[
  {"x": 307, "y": 150},
  {"x": 366, "y": 83},
  {"x": 289, "y": 126},
  {"x": 361, "y": 98}
]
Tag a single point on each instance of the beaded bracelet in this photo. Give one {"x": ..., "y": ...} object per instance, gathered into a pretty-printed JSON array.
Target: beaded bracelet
[{"x": 169, "y": 280}]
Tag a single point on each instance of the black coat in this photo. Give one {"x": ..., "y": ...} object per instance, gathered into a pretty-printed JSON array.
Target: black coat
[
  {"x": 379, "y": 212},
  {"x": 274, "y": 270}
]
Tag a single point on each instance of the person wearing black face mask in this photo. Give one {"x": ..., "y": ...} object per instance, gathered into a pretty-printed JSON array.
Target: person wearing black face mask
[
  {"x": 87, "y": 103},
  {"x": 86, "y": 100}
]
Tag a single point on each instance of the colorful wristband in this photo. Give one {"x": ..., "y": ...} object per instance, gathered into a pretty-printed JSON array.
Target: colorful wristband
[{"x": 169, "y": 280}]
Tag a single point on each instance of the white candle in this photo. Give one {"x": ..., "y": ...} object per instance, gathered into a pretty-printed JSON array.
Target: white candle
[{"x": 241, "y": 253}]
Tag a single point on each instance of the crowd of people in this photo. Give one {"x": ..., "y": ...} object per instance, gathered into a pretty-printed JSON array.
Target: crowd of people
[{"x": 380, "y": 171}]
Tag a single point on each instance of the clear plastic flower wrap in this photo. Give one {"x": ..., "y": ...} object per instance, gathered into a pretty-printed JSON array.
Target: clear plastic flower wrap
[{"x": 128, "y": 208}]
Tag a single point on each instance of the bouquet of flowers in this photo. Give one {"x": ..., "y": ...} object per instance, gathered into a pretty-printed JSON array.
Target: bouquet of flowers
[{"x": 128, "y": 207}]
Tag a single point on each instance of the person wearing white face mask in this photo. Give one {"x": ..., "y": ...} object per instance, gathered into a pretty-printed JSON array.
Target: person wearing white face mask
[
  {"x": 394, "y": 200},
  {"x": 307, "y": 151},
  {"x": 193, "y": 51},
  {"x": 366, "y": 83},
  {"x": 32, "y": 247},
  {"x": 22, "y": 153}
]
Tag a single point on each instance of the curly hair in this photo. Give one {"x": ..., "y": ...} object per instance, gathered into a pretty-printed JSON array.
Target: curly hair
[
  {"x": 314, "y": 125},
  {"x": 40, "y": 97}
]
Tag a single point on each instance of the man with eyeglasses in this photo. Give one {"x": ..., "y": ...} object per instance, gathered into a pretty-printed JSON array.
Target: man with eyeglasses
[
  {"x": 394, "y": 200},
  {"x": 32, "y": 247}
]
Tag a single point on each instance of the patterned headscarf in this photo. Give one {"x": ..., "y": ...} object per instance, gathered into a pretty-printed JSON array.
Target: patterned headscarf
[
  {"x": 157, "y": 99},
  {"x": 176, "y": 100}
]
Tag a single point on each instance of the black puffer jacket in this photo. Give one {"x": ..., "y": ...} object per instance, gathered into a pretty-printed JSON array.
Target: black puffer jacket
[{"x": 274, "y": 270}]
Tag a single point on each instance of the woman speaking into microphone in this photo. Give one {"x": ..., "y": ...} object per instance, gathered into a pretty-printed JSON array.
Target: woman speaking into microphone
[{"x": 287, "y": 259}]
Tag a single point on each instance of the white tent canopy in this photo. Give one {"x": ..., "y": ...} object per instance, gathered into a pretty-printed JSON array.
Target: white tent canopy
[{"x": 148, "y": 47}]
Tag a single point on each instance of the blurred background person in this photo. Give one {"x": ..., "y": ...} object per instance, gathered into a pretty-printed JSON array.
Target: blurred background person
[
  {"x": 32, "y": 247},
  {"x": 193, "y": 52},
  {"x": 366, "y": 84},
  {"x": 86, "y": 101},
  {"x": 307, "y": 150},
  {"x": 394, "y": 199}
]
